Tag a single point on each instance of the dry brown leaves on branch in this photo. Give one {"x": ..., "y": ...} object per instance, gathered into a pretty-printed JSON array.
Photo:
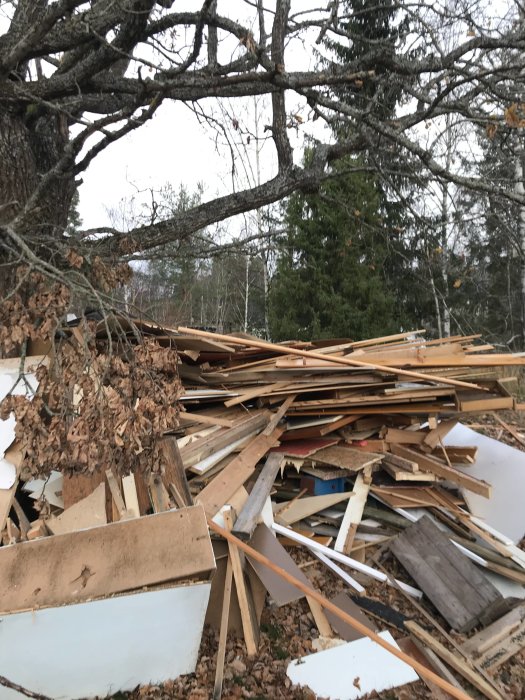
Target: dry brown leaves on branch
[
  {"x": 33, "y": 311},
  {"x": 98, "y": 410}
]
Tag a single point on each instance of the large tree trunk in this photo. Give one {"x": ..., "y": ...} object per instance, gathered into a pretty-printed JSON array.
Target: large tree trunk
[{"x": 31, "y": 144}]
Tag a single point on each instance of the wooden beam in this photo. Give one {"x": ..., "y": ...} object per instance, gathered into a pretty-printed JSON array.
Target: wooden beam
[
  {"x": 352, "y": 516},
  {"x": 249, "y": 623},
  {"x": 285, "y": 350},
  {"x": 248, "y": 517}
]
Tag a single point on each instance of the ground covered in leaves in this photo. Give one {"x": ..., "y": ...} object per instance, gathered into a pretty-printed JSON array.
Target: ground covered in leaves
[{"x": 287, "y": 633}]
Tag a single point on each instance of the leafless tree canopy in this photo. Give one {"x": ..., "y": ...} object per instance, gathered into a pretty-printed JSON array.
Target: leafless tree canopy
[{"x": 76, "y": 76}]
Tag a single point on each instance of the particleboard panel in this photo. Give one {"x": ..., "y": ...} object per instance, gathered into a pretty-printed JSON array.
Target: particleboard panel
[
  {"x": 451, "y": 581},
  {"x": 346, "y": 458},
  {"x": 101, "y": 561}
]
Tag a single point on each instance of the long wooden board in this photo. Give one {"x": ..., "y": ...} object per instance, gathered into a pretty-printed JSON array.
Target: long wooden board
[{"x": 102, "y": 561}]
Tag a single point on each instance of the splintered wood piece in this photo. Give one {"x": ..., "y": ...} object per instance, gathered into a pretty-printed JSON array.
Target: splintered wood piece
[
  {"x": 430, "y": 464},
  {"x": 23, "y": 520},
  {"x": 249, "y": 624},
  {"x": 352, "y": 516},
  {"x": 248, "y": 517},
  {"x": 451, "y": 581},
  {"x": 232, "y": 477},
  {"x": 116, "y": 494},
  {"x": 174, "y": 471},
  {"x": 457, "y": 663},
  {"x": 495, "y": 633},
  {"x": 433, "y": 438},
  {"x": 221, "y": 651}
]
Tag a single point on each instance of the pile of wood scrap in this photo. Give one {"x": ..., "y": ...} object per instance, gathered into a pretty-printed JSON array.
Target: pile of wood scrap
[{"x": 353, "y": 453}]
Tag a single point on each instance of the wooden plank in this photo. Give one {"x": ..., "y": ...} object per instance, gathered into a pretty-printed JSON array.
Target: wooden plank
[
  {"x": 320, "y": 619},
  {"x": 428, "y": 463},
  {"x": 303, "y": 507},
  {"x": 254, "y": 392},
  {"x": 458, "y": 664},
  {"x": 224, "y": 485},
  {"x": 407, "y": 464},
  {"x": 503, "y": 650},
  {"x": 418, "y": 651},
  {"x": 248, "y": 517},
  {"x": 193, "y": 453},
  {"x": 287, "y": 350},
  {"x": 130, "y": 495},
  {"x": 174, "y": 471},
  {"x": 123, "y": 556},
  {"x": 116, "y": 494},
  {"x": 499, "y": 630},
  {"x": 404, "y": 437},
  {"x": 249, "y": 624},
  {"x": 223, "y": 635},
  {"x": 279, "y": 414},
  {"x": 451, "y": 581},
  {"x": 352, "y": 516}
]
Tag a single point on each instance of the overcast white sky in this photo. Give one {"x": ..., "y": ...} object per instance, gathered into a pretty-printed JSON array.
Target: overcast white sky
[{"x": 175, "y": 148}]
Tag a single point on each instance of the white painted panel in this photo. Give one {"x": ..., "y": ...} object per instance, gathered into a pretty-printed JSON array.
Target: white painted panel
[
  {"x": 503, "y": 467},
  {"x": 352, "y": 670},
  {"x": 103, "y": 646}
]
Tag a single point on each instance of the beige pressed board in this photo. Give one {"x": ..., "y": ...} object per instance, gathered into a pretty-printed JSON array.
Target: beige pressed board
[
  {"x": 102, "y": 561},
  {"x": 89, "y": 512},
  {"x": 303, "y": 507}
]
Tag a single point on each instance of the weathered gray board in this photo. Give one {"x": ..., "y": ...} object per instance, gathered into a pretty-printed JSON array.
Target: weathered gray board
[{"x": 455, "y": 586}]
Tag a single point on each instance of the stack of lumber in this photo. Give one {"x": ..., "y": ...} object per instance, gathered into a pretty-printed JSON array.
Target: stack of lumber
[{"x": 345, "y": 450}]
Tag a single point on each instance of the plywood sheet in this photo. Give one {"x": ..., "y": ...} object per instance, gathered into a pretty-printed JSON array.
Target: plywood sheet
[
  {"x": 101, "y": 561},
  {"x": 89, "y": 512},
  {"x": 343, "y": 629}
]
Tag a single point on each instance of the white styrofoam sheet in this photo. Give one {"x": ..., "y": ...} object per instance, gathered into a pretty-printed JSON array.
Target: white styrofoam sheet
[
  {"x": 333, "y": 673},
  {"x": 7, "y": 427},
  {"x": 99, "y": 647},
  {"x": 504, "y": 468}
]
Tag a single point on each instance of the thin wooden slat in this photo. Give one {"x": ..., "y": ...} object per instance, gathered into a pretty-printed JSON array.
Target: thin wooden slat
[
  {"x": 249, "y": 624},
  {"x": 352, "y": 516},
  {"x": 286, "y": 350}
]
